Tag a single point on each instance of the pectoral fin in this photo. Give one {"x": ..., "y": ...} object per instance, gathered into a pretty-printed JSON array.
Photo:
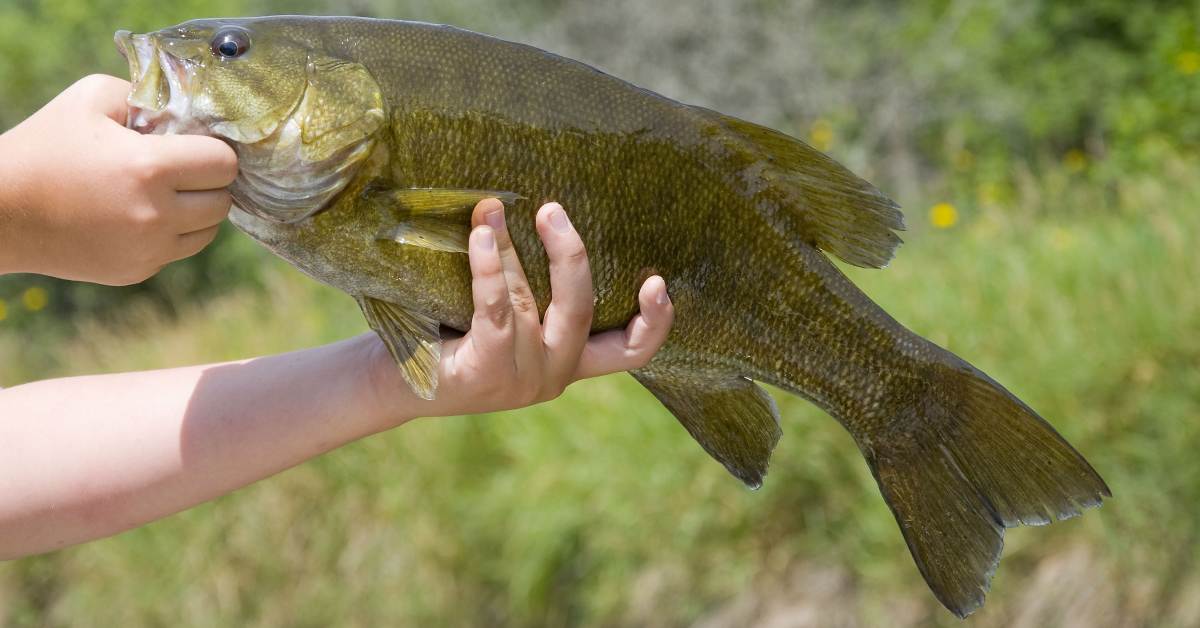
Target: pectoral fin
[
  {"x": 733, "y": 419},
  {"x": 413, "y": 340},
  {"x": 433, "y": 218}
]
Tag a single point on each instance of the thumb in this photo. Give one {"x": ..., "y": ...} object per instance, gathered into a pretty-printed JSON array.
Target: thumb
[{"x": 104, "y": 94}]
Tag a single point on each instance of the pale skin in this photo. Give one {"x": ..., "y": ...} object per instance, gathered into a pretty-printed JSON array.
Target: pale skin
[{"x": 87, "y": 457}]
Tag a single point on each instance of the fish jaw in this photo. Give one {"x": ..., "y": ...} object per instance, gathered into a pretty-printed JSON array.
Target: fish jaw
[{"x": 160, "y": 100}]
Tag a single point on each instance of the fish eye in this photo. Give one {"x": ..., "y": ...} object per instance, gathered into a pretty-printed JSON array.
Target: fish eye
[{"x": 230, "y": 43}]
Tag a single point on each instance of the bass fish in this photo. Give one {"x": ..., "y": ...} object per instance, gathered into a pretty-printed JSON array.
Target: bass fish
[{"x": 364, "y": 144}]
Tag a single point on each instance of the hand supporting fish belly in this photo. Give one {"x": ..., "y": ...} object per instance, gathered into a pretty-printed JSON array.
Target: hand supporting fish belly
[
  {"x": 512, "y": 357},
  {"x": 364, "y": 144}
]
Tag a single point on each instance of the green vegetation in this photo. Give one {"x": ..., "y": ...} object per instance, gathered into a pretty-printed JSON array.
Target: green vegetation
[{"x": 1046, "y": 152}]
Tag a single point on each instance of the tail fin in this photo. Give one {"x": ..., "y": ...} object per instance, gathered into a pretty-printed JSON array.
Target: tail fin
[{"x": 962, "y": 464}]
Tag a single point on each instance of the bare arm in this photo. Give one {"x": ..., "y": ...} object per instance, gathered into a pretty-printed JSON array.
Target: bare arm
[{"x": 86, "y": 457}]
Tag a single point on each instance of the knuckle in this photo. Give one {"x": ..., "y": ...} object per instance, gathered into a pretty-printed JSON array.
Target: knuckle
[
  {"x": 522, "y": 301},
  {"x": 146, "y": 218},
  {"x": 498, "y": 313},
  {"x": 576, "y": 253},
  {"x": 147, "y": 167}
]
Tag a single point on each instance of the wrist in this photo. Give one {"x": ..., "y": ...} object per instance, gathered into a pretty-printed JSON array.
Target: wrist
[
  {"x": 10, "y": 237},
  {"x": 13, "y": 206},
  {"x": 390, "y": 401}
]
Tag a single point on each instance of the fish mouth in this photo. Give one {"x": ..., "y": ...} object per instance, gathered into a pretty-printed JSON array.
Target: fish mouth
[{"x": 159, "y": 100}]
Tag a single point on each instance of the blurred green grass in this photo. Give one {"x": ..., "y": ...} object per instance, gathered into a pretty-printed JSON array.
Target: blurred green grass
[
  {"x": 1068, "y": 274},
  {"x": 598, "y": 509}
]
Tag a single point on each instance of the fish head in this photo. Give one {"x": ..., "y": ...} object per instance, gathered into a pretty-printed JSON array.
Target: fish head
[
  {"x": 235, "y": 79},
  {"x": 300, "y": 119}
]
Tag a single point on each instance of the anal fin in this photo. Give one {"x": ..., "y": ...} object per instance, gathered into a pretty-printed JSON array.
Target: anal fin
[
  {"x": 732, "y": 418},
  {"x": 413, "y": 339}
]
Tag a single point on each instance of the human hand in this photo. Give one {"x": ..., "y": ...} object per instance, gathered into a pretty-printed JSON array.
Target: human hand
[
  {"x": 510, "y": 358},
  {"x": 84, "y": 198}
]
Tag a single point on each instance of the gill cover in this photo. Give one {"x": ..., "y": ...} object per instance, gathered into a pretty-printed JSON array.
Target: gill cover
[{"x": 293, "y": 173}]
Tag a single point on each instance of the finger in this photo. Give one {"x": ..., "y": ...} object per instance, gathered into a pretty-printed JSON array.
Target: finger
[
  {"x": 631, "y": 348},
  {"x": 568, "y": 318},
  {"x": 198, "y": 210},
  {"x": 527, "y": 343},
  {"x": 492, "y": 334},
  {"x": 491, "y": 212},
  {"x": 192, "y": 243},
  {"x": 194, "y": 162}
]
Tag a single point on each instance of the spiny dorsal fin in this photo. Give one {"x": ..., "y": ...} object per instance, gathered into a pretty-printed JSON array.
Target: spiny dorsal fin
[
  {"x": 733, "y": 419},
  {"x": 823, "y": 201},
  {"x": 433, "y": 218},
  {"x": 413, "y": 339}
]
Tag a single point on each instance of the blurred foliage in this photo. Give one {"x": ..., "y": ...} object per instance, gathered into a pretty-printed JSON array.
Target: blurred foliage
[{"x": 1045, "y": 150}]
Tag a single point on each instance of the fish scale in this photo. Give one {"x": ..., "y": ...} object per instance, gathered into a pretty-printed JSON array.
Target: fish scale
[{"x": 363, "y": 145}]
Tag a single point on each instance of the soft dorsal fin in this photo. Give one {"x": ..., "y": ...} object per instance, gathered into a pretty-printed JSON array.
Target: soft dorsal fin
[
  {"x": 433, "y": 218},
  {"x": 824, "y": 203}
]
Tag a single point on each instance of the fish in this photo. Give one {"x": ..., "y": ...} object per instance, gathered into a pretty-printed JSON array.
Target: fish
[{"x": 363, "y": 145}]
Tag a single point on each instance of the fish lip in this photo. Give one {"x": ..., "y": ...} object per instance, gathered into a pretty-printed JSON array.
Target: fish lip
[
  {"x": 122, "y": 39},
  {"x": 150, "y": 59}
]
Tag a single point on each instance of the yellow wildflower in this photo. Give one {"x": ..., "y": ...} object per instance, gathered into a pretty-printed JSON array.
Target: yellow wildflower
[
  {"x": 820, "y": 134},
  {"x": 943, "y": 215},
  {"x": 34, "y": 298},
  {"x": 1075, "y": 160},
  {"x": 1187, "y": 62},
  {"x": 3, "y": 310}
]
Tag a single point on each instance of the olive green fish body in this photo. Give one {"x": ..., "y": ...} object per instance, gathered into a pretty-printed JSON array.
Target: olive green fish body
[
  {"x": 650, "y": 183},
  {"x": 364, "y": 144}
]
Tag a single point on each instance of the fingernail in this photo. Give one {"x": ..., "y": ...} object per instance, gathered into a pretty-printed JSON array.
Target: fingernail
[
  {"x": 558, "y": 220},
  {"x": 495, "y": 219},
  {"x": 662, "y": 297},
  {"x": 487, "y": 240}
]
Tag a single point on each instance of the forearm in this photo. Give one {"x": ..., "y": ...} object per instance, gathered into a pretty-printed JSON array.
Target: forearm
[{"x": 88, "y": 457}]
